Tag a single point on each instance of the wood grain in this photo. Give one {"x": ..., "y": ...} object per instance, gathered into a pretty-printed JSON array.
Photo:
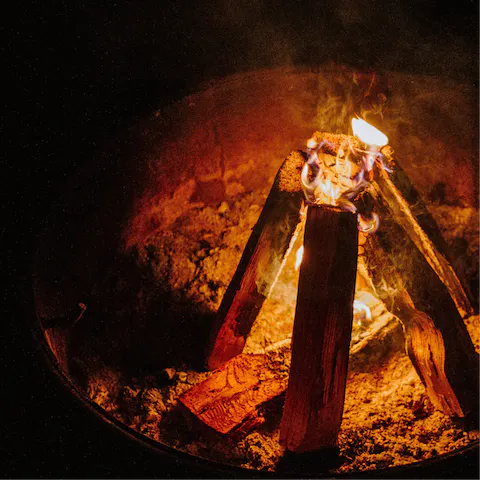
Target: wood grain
[
  {"x": 228, "y": 400},
  {"x": 322, "y": 330}
]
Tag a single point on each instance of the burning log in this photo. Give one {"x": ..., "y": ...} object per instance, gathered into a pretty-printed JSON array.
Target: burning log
[
  {"x": 261, "y": 262},
  {"x": 229, "y": 399},
  {"x": 437, "y": 340},
  {"x": 322, "y": 330}
]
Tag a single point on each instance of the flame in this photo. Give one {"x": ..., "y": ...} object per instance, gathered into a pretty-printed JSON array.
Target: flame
[
  {"x": 368, "y": 133},
  {"x": 299, "y": 257},
  {"x": 361, "y": 312},
  {"x": 368, "y": 225},
  {"x": 340, "y": 182}
]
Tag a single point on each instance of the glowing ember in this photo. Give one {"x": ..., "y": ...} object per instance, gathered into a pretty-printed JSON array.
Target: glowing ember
[
  {"x": 299, "y": 258},
  {"x": 368, "y": 133}
]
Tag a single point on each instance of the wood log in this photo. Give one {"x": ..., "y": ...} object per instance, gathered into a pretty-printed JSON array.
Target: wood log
[
  {"x": 229, "y": 399},
  {"x": 437, "y": 340},
  {"x": 260, "y": 265},
  {"x": 410, "y": 211},
  {"x": 321, "y": 333}
]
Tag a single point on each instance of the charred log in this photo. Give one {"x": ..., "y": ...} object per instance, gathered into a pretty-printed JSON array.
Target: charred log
[{"x": 409, "y": 211}]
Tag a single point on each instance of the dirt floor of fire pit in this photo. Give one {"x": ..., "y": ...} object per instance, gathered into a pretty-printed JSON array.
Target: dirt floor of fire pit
[{"x": 388, "y": 420}]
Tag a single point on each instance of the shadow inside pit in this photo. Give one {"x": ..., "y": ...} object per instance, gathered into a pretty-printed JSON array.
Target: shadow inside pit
[
  {"x": 321, "y": 461},
  {"x": 138, "y": 327}
]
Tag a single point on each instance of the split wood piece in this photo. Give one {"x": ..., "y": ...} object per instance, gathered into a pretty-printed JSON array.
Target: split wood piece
[
  {"x": 229, "y": 399},
  {"x": 437, "y": 340},
  {"x": 260, "y": 265},
  {"x": 321, "y": 332},
  {"x": 411, "y": 212}
]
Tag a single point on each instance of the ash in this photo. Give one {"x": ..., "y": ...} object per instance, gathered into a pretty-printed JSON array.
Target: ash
[{"x": 139, "y": 364}]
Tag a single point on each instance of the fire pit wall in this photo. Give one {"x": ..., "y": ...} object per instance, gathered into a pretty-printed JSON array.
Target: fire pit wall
[{"x": 149, "y": 235}]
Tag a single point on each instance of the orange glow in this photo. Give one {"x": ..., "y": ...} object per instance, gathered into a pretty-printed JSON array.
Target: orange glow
[
  {"x": 312, "y": 143},
  {"x": 330, "y": 191},
  {"x": 298, "y": 258},
  {"x": 368, "y": 133},
  {"x": 368, "y": 225},
  {"x": 361, "y": 312}
]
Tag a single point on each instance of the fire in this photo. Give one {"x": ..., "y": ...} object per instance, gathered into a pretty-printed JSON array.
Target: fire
[
  {"x": 361, "y": 312},
  {"x": 368, "y": 133},
  {"x": 368, "y": 225},
  {"x": 299, "y": 257}
]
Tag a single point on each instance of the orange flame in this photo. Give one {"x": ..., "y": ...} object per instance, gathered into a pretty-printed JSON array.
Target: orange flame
[{"x": 368, "y": 133}]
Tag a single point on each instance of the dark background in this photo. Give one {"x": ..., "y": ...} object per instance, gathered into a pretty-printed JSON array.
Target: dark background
[{"x": 81, "y": 72}]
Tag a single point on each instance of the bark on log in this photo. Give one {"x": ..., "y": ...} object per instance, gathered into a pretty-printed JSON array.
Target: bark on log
[
  {"x": 437, "y": 340},
  {"x": 322, "y": 330},
  {"x": 229, "y": 399},
  {"x": 261, "y": 262},
  {"x": 411, "y": 212}
]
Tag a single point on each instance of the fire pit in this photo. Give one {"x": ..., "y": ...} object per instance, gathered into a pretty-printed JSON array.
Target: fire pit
[{"x": 134, "y": 265}]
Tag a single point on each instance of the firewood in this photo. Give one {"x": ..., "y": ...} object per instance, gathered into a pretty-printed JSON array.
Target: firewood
[
  {"x": 260, "y": 265},
  {"x": 322, "y": 330},
  {"x": 410, "y": 211},
  {"x": 229, "y": 399},
  {"x": 437, "y": 340}
]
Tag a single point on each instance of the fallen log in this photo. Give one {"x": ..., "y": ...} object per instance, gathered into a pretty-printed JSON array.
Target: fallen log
[
  {"x": 322, "y": 330},
  {"x": 229, "y": 399},
  {"x": 260, "y": 265}
]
